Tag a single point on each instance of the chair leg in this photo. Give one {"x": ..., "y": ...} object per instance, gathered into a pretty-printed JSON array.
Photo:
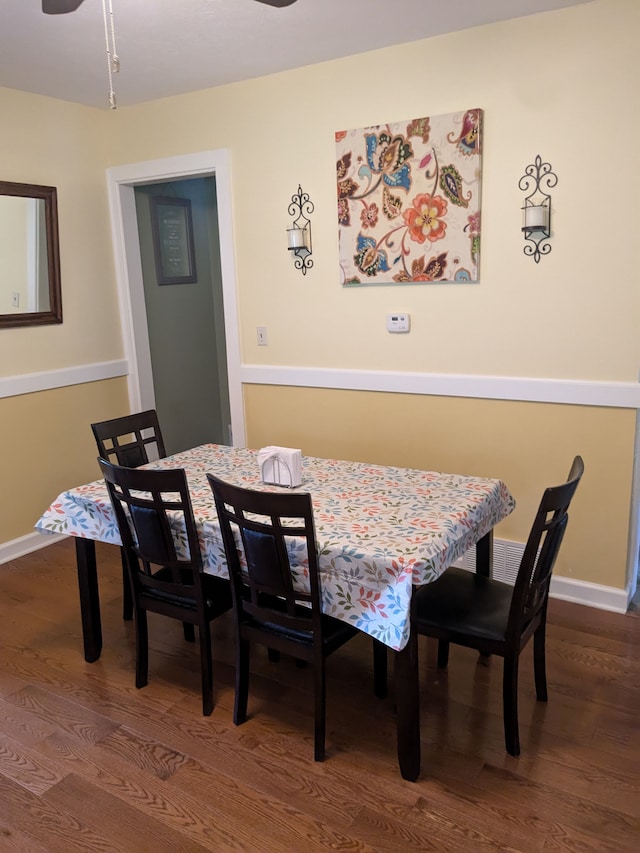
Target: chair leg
[
  {"x": 206, "y": 666},
  {"x": 242, "y": 681},
  {"x": 142, "y": 648},
  {"x": 539, "y": 663},
  {"x": 510, "y": 704},
  {"x": 127, "y": 597},
  {"x": 379, "y": 669},
  {"x": 320, "y": 709},
  {"x": 443, "y": 653}
]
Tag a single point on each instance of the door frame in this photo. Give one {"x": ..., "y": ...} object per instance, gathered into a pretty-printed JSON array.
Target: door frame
[{"x": 121, "y": 181}]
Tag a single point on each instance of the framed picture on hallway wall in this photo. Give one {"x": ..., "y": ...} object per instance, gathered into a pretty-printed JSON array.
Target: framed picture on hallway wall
[
  {"x": 173, "y": 247},
  {"x": 409, "y": 201}
]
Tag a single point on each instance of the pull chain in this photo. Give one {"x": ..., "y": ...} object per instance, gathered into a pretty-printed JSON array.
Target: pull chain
[{"x": 113, "y": 60}]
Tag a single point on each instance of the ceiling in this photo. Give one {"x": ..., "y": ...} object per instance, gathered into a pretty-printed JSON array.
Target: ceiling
[{"x": 169, "y": 47}]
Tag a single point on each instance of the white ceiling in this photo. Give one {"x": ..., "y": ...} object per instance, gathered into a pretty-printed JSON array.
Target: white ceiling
[{"x": 168, "y": 47}]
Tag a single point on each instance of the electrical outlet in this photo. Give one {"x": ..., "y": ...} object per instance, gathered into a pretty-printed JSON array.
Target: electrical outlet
[
  {"x": 15, "y": 300},
  {"x": 261, "y": 334}
]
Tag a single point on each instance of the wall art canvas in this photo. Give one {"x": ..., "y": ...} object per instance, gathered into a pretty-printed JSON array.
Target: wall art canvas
[{"x": 409, "y": 201}]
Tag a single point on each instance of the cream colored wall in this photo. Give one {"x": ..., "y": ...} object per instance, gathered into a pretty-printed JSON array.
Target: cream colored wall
[
  {"x": 573, "y": 316},
  {"x": 561, "y": 85},
  {"x": 46, "y": 441},
  {"x": 50, "y": 142},
  {"x": 528, "y": 445}
]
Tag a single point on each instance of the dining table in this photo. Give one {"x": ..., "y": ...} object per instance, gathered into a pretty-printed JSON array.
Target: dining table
[{"x": 381, "y": 532}]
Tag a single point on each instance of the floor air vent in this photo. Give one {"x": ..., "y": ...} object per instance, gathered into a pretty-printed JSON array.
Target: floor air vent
[{"x": 506, "y": 560}]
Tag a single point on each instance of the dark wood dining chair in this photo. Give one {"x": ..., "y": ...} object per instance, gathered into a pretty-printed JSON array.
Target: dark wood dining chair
[
  {"x": 268, "y": 607},
  {"x": 127, "y": 441},
  {"x": 496, "y": 618},
  {"x": 160, "y": 540}
]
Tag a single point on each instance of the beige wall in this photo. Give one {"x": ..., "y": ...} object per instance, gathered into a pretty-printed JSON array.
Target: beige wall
[
  {"x": 44, "y": 141},
  {"x": 45, "y": 436},
  {"x": 528, "y": 445},
  {"x": 572, "y": 316},
  {"x": 47, "y": 446}
]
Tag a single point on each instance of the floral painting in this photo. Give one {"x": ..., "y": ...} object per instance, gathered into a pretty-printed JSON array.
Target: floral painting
[{"x": 409, "y": 200}]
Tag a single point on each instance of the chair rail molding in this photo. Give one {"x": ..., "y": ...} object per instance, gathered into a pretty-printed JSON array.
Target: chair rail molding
[
  {"x": 624, "y": 395},
  {"x": 29, "y": 383}
]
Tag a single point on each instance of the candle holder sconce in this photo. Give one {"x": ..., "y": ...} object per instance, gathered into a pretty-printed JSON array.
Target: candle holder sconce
[
  {"x": 536, "y": 211},
  {"x": 299, "y": 235}
]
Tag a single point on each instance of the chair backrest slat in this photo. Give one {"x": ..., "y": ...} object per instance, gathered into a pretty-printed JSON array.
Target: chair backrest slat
[{"x": 531, "y": 589}]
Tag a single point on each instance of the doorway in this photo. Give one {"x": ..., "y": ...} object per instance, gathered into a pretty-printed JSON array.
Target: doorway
[
  {"x": 178, "y": 225},
  {"x": 122, "y": 184}
]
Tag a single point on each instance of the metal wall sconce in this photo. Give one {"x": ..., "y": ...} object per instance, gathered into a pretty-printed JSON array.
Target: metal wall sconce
[
  {"x": 536, "y": 218},
  {"x": 299, "y": 235}
]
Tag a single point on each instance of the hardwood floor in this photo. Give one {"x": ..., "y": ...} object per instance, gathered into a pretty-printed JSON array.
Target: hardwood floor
[{"x": 87, "y": 762}]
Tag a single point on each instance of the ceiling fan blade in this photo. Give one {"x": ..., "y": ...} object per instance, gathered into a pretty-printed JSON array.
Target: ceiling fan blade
[
  {"x": 278, "y": 3},
  {"x": 59, "y": 7}
]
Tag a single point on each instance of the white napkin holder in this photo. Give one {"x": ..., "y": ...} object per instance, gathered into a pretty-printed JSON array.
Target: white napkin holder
[{"x": 280, "y": 466}]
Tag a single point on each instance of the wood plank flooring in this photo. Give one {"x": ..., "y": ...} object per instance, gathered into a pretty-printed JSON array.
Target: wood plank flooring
[{"x": 87, "y": 762}]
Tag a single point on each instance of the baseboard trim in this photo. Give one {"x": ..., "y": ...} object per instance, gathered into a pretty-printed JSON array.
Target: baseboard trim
[
  {"x": 590, "y": 594},
  {"x": 625, "y": 395},
  {"x": 27, "y": 545},
  {"x": 29, "y": 383}
]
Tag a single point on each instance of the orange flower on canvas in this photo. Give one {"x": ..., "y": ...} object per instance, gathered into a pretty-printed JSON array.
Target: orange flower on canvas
[{"x": 425, "y": 218}]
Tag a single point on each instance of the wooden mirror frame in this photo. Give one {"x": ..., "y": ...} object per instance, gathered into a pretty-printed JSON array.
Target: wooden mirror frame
[{"x": 50, "y": 197}]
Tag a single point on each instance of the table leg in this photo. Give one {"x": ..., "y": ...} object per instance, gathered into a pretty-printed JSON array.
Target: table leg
[
  {"x": 484, "y": 554},
  {"x": 89, "y": 598},
  {"x": 484, "y": 564},
  {"x": 408, "y": 709}
]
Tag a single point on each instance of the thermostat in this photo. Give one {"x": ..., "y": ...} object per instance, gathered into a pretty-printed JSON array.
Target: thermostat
[{"x": 398, "y": 322}]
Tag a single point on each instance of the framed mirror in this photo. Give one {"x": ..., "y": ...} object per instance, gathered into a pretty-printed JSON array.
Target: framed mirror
[{"x": 30, "y": 291}]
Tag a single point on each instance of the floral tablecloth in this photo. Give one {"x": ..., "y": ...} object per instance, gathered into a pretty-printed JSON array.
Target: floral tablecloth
[{"x": 379, "y": 529}]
